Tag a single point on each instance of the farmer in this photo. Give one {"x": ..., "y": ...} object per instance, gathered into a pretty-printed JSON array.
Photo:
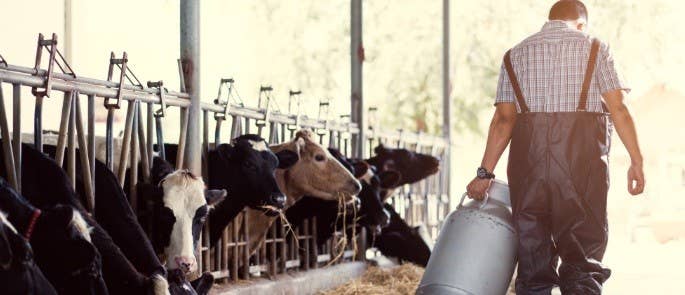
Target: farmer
[{"x": 557, "y": 96}]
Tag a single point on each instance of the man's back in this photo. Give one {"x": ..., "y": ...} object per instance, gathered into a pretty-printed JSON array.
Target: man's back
[{"x": 550, "y": 66}]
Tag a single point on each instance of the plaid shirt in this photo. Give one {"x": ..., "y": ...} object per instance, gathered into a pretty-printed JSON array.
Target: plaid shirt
[{"x": 550, "y": 66}]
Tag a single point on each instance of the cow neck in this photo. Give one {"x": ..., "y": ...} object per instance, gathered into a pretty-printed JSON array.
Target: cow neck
[
  {"x": 223, "y": 213},
  {"x": 285, "y": 184}
]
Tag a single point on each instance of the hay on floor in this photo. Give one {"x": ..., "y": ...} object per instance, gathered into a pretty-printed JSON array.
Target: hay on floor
[{"x": 401, "y": 280}]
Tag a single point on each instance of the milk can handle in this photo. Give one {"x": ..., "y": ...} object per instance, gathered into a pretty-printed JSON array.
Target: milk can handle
[{"x": 482, "y": 203}]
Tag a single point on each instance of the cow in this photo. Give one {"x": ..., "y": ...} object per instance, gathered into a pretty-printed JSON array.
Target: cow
[
  {"x": 180, "y": 207},
  {"x": 130, "y": 265},
  {"x": 370, "y": 213},
  {"x": 245, "y": 168},
  {"x": 412, "y": 166},
  {"x": 19, "y": 274},
  {"x": 399, "y": 240},
  {"x": 317, "y": 174},
  {"x": 61, "y": 243}
]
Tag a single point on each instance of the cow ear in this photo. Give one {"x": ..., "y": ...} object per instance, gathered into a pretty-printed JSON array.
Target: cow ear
[
  {"x": 287, "y": 158},
  {"x": 215, "y": 196},
  {"x": 360, "y": 169},
  {"x": 389, "y": 179}
]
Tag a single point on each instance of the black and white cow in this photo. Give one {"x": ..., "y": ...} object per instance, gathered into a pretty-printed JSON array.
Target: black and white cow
[
  {"x": 61, "y": 243},
  {"x": 138, "y": 271},
  {"x": 180, "y": 206},
  {"x": 412, "y": 166},
  {"x": 399, "y": 240},
  {"x": 19, "y": 274},
  {"x": 245, "y": 168}
]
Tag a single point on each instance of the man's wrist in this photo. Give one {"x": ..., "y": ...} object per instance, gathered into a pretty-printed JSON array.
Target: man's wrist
[
  {"x": 483, "y": 173},
  {"x": 636, "y": 161}
]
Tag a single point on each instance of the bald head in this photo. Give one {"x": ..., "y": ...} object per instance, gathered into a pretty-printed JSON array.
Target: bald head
[{"x": 573, "y": 12}]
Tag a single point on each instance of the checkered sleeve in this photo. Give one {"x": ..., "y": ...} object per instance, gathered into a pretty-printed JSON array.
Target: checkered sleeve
[
  {"x": 505, "y": 92},
  {"x": 606, "y": 75}
]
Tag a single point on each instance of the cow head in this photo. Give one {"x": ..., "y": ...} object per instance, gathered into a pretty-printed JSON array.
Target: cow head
[
  {"x": 411, "y": 165},
  {"x": 317, "y": 173},
  {"x": 181, "y": 205},
  {"x": 246, "y": 168},
  {"x": 61, "y": 243}
]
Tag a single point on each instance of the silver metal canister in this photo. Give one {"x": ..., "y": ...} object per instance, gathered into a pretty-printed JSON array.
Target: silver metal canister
[{"x": 476, "y": 251}]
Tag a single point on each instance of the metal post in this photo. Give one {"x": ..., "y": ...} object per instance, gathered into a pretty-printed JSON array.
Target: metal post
[
  {"x": 68, "y": 40},
  {"x": 357, "y": 58},
  {"x": 446, "y": 102},
  {"x": 190, "y": 61}
]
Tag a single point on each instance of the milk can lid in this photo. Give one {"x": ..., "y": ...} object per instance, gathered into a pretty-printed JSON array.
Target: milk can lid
[{"x": 499, "y": 191}]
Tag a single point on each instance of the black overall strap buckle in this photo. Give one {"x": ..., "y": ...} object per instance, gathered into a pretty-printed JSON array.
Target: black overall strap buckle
[
  {"x": 592, "y": 61},
  {"x": 515, "y": 83}
]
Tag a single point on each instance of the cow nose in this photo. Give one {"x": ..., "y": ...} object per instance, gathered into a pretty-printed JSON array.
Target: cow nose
[
  {"x": 356, "y": 186},
  {"x": 278, "y": 200},
  {"x": 186, "y": 264}
]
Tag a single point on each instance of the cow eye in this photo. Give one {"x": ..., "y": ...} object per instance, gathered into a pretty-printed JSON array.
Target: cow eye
[{"x": 319, "y": 158}]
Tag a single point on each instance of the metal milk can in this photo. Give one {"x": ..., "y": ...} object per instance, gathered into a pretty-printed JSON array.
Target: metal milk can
[{"x": 476, "y": 250}]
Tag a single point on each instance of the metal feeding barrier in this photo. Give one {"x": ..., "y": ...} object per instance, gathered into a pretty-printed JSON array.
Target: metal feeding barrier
[{"x": 423, "y": 203}]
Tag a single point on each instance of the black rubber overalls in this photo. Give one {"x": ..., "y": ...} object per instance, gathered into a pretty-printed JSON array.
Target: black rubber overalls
[{"x": 559, "y": 178}]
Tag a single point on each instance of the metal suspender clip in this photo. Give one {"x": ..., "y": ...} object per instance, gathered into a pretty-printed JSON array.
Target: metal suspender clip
[
  {"x": 51, "y": 46},
  {"x": 161, "y": 112}
]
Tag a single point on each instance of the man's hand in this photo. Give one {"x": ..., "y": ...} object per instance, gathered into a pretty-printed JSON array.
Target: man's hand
[
  {"x": 477, "y": 188},
  {"x": 625, "y": 127},
  {"x": 636, "y": 179}
]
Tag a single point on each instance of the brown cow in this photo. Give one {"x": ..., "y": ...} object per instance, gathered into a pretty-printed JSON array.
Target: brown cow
[{"x": 317, "y": 174}]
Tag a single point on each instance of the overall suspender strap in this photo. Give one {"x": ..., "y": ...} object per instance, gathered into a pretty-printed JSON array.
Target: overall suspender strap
[
  {"x": 515, "y": 83},
  {"x": 582, "y": 105}
]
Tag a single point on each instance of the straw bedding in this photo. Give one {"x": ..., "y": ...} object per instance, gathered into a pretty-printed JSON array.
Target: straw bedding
[{"x": 400, "y": 280}]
